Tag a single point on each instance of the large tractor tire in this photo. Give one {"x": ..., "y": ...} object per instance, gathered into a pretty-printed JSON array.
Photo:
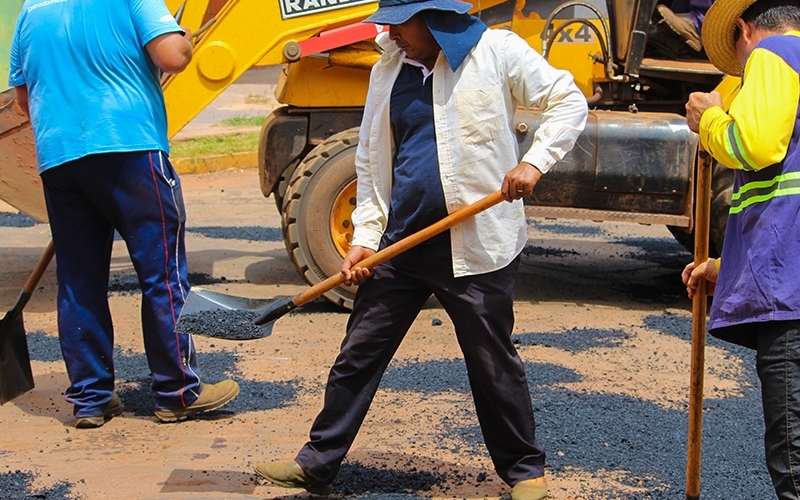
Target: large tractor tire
[
  {"x": 721, "y": 190},
  {"x": 279, "y": 193},
  {"x": 319, "y": 200}
]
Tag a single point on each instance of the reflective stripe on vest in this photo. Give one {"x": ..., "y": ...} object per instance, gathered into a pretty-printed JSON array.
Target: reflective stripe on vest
[{"x": 761, "y": 191}]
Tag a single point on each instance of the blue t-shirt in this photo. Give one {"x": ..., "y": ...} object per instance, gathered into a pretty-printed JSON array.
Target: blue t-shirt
[{"x": 92, "y": 87}]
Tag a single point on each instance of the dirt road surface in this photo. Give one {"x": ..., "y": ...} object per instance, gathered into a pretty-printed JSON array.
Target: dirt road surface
[{"x": 602, "y": 325}]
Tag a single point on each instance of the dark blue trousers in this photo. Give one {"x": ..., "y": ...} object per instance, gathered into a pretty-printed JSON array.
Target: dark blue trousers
[
  {"x": 481, "y": 308},
  {"x": 139, "y": 195}
]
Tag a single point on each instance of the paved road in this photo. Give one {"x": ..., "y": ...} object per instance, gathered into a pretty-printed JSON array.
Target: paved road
[{"x": 602, "y": 327}]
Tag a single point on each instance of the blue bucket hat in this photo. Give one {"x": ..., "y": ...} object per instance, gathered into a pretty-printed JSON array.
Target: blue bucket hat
[{"x": 400, "y": 11}]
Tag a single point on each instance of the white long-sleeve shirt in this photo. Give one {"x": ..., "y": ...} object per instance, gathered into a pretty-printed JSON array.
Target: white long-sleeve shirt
[{"x": 473, "y": 110}]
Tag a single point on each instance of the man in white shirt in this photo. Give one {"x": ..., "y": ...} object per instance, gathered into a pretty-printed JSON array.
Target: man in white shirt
[{"x": 437, "y": 135}]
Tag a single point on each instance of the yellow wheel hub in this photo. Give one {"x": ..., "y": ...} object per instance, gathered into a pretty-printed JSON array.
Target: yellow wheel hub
[{"x": 341, "y": 225}]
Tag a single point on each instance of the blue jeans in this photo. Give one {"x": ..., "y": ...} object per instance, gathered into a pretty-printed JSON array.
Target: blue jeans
[
  {"x": 778, "y": 364},
  {"x": 139, "y": 195},
  {"x": 481, "y": 308}
]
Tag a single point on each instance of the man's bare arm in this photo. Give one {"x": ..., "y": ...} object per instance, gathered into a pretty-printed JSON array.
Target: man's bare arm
[
  {"x": 171, "y": 52},
  {"x": 22, "y": 99}
]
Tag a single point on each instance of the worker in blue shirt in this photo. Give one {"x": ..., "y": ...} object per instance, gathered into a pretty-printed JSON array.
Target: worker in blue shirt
[{"x": 87, "y": 73}]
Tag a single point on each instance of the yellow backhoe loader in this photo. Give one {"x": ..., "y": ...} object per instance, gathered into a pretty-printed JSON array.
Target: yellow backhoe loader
[{"x": 635, "y": 161}]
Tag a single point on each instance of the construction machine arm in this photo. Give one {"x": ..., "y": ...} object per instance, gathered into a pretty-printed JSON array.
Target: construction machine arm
[{"x": 250, "y": 32}]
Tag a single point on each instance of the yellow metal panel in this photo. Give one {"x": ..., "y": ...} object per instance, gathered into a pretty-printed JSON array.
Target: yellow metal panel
[
  {"x": 193, "y": 12},
  {"x": 312, "y": 82},
  {"x": 573, "y": 49}
]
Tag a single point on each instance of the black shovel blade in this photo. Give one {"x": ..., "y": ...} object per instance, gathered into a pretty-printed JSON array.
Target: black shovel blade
[
  {"x": 222, "y": 316},
  {"x": 15, "y": 364}
]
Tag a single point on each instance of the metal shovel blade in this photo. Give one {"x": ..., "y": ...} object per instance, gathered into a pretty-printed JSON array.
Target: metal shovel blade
[
  {"x": 214, "y": 314},
  {"x": 15, "y": 365}
]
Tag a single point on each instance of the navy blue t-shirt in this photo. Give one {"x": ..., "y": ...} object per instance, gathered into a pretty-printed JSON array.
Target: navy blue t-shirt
[{"x": 417, "y": 195}]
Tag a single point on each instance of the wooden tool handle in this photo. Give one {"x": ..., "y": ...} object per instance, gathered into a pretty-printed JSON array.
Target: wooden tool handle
[
  {"x": 401, "y": 246},
  {"x": 701, "y": 232},
  {"x": 39, "y": 270}
]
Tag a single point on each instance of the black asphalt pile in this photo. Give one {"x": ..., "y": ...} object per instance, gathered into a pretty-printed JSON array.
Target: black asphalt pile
[
  {"x": 229, "y": 324},
  {"x": 124, "y": 284},
  {"x": 127, "y": 284},
  {"x": 134, "y": 383},
  {"x": 660, "y": 289},
  {"x": 566, "y": 229},
  {"x": 18, "y": 485},
  {"x": 464, "y": 438},
  {"x": 547, "y": 252},
  {"x": 8, "y": 219},
  {"x": 134, "y": 380},
  {"x": 357, "y": 479},
  {"x": 602, "y": 432},
  {"x": 663, "y": 251},
  {"x": 44, "y": 347},
  {"x": 247, "y": 233},
  {"x": 575, "y": 340},
  {"x": 427, "y": 377},
  {"x": 386, "y": 496}
]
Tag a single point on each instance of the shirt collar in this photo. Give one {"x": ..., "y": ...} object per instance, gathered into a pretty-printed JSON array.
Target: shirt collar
[
  {"x": 456, "y": 34},
  {"x": 425, "y": 71}
]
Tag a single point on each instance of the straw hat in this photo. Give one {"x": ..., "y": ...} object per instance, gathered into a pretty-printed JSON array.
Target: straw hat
[{"x": 718, "y": 28}]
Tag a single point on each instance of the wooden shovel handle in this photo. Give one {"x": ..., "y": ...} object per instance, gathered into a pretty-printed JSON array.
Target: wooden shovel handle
[
  {"x": 401, "y": 246},
  {"x": 39, "y": 270},
  {"x": 701, "y": 233}
]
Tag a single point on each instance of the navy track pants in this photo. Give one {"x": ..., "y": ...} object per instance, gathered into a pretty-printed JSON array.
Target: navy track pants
[{"x": 139, "y": 195}]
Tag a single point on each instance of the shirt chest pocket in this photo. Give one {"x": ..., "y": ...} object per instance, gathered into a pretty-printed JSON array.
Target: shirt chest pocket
[{"x": 480, "y": 115}]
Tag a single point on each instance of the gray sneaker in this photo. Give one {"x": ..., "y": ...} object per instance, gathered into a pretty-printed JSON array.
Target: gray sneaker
[
  {"x": 212, "y": 396},
  {"x": 113, "y": 408}
]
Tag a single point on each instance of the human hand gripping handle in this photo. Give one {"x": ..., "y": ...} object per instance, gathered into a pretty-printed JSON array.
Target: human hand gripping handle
[
  {"x": 520, "y": 181},
  {"x": 697, "y": 104},
  {"x": 358, "y": 275},
  {"x": 692, "y": 275}
]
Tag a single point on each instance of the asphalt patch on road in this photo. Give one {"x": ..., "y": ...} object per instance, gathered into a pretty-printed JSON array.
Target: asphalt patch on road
[
  {"x": 18, "y": 485},
  {"x": 247, "y": 233},
  {"x": 566, "y": 229},
  {"x": 135, "y": 386},
  {"x": 547, "y": 252},
  {"x": 666, "y": 252},
  {"x": 8, "y": 219},
  {"x": 661, "y": 289},
  {"x": 439, "y": 376},
  {"x": 134, "y": 380},
  {"x": 355, "y": 478},
  {"x": 598, "y": 433},
  {"x": 681, "y": 327},
  {"x": 128, "y": 284},
  {"x": 574, "y": 341},
  {"x": 44, "y": 347}
]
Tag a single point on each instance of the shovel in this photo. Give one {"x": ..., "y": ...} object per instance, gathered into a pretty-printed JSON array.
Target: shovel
[
  {"x": 208, "y": 313},
  {"x": 15, "y": 364}
]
